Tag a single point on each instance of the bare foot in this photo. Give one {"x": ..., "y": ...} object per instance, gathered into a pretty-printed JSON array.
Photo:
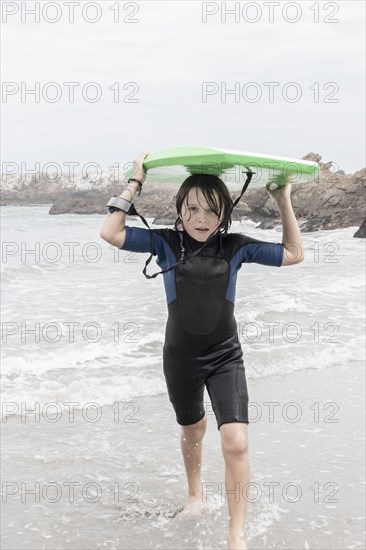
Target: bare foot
[
  {"x": 192, "y": 509},
  {"x": 236, "y": 543}
]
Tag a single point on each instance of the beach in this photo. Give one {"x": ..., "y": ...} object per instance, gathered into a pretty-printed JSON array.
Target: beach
[
  {"x": 90, "y": 445},
  {"x": 307, "y": 485},
  {"x": 251, "y": 96}
]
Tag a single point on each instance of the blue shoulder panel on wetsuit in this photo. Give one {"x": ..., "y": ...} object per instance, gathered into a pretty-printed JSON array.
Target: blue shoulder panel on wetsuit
[
  {"x": 261, "y": 252},
  {"x": 136, "y": 239},
  {"x": 250, "y": 250},
  {"x": 155, "y": 241}
]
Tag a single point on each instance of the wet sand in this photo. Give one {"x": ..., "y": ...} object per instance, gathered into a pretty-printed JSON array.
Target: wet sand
[{"x": 307, "y": 472}]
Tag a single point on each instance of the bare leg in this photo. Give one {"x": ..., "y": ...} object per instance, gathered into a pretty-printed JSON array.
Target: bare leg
[
  {"x": 191, "y": 445},
  {"x": 234, "y": 442}
]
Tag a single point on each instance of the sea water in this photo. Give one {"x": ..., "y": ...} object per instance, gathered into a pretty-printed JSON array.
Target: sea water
[
  {"x": 81, "y": 322},
  {"x": 84, "y": 400}
]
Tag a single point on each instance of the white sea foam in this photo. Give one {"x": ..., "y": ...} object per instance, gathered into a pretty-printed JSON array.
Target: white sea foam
[{"x": 323, "y": 301}]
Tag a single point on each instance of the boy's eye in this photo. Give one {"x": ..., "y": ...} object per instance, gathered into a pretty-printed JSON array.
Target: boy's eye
[{"x": 210, "y": 209}]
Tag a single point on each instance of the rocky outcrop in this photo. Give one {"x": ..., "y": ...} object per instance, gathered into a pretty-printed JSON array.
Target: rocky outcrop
[
  {"x": 335, "y": 200},
  {"x": 361, "y": 232}
]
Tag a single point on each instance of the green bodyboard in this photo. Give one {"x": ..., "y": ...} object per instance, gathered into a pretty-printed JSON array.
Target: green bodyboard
[{"x": 173, "y": 166}]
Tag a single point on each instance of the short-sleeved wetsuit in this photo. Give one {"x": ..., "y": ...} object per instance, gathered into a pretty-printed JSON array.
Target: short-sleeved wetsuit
[{"x": 202, "y": 346}]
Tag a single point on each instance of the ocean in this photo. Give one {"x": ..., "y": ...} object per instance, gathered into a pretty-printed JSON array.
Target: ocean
[
  {"x": 82, "y": 323},
  {"x": 82, "y": 337}
]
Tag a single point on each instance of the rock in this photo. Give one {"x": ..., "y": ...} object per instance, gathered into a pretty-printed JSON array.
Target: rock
[
  {"x": 164, "y": 221},
  {"x": 267, "y": 224},
  {"x": 335, "y": 200},
  {"x": 326, "y": 166},
  {"x": 361, "y": 231},
  {"x": 315, "y": 157},
  {"x": 78, "y": 205}
]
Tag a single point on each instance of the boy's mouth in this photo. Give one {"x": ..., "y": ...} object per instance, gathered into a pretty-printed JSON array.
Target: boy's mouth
[{"x": 202, "y": 229}]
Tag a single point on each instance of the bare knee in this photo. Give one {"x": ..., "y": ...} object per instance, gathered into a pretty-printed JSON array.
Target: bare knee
[
  {"x": 194, "y": 432},
  {"x": 234, "y": 441}
]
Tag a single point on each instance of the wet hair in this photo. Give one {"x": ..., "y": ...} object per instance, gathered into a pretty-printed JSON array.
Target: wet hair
[{"x": 208, "y": 184}]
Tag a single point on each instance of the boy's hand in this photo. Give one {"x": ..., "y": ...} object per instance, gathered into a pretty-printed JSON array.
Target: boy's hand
[
  {"x": 282, "y": 194},
  {"x": 291, "y": 236},
  {"x": 139, "y": 171}
]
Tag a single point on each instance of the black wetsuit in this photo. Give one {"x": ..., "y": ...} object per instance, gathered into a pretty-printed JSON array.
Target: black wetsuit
[{"x": 201, "y": 345}]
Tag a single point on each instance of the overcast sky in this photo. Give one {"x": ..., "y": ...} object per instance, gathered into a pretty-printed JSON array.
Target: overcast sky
[{"x": 169, "y": 53}]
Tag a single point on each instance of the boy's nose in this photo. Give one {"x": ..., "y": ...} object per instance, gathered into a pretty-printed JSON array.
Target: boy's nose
[{"x": 202, "y": 215}]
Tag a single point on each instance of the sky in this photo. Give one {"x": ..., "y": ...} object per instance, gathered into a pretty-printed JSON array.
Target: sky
[{"x": 296, "y": 77}]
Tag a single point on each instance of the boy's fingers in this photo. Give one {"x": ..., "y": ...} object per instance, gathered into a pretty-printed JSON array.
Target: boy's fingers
[{"x": 140, "y": 157}]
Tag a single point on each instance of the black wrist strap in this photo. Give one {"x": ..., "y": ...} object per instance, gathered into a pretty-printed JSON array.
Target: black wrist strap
[{"x": 137, "y": 181}]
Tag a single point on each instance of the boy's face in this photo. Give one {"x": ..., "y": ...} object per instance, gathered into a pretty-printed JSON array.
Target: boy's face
[{"x": 198, "y": 219}]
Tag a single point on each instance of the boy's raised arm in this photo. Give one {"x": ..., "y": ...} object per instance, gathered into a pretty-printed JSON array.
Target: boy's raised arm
[
  {"x": 113, "y": 228},
  {"x": 291, "y": 237}
]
